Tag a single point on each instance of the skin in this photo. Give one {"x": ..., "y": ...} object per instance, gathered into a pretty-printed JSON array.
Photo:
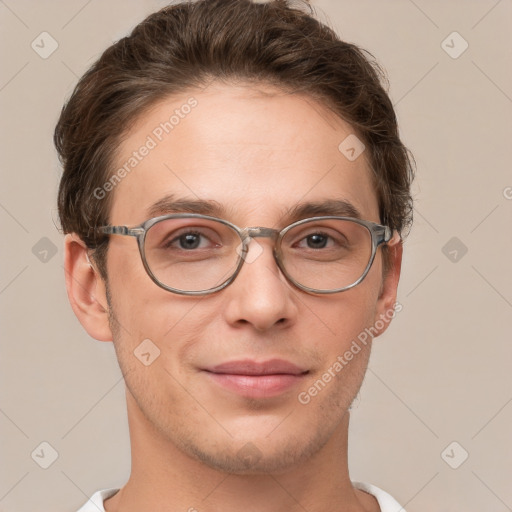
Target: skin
[{"x": 257, "y": 152}]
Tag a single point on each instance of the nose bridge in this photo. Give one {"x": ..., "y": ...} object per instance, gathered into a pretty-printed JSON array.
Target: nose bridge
[{"x": 259, "y": 232}]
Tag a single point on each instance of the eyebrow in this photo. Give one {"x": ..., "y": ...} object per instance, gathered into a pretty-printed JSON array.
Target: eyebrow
[
  {"x": 335, "y": 207},
  {"x": 172, "y": 204}
]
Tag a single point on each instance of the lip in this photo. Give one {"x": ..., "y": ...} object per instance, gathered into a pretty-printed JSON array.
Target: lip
[
  {"x": 250, "y": 367},
  {"x": 254, "y": 379}
]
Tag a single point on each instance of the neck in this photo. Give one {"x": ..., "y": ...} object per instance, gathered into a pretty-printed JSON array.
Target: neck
[{"x": 165, "y": 478}]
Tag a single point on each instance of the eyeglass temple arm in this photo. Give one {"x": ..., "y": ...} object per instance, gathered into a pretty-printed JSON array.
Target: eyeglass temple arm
[
  {"x": 391, "y": 236},
  {"x": 120, "y": 230}
]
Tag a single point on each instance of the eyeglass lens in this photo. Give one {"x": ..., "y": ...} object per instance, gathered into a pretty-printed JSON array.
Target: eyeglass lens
[{"x": 194, "y": 254}]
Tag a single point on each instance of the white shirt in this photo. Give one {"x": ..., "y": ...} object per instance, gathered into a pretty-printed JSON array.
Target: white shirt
[{"x": 386, "y": 502}]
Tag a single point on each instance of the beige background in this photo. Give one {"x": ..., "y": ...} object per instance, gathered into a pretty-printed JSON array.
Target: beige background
[{"x": 442, "y": 372}]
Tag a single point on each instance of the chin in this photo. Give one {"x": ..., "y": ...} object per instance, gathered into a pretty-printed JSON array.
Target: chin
[{"x": 258, "y": 456}]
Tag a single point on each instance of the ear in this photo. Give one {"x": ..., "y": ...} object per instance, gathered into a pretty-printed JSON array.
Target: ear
[
  {"x": 386, "y": 303},
  {"x": 86, "y": 289}
]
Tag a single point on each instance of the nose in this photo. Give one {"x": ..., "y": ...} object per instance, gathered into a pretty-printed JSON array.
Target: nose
[{"x": 260, "y": 295}]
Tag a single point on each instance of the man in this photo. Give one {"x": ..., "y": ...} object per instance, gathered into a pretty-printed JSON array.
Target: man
[{"x": 233, "y": 194}]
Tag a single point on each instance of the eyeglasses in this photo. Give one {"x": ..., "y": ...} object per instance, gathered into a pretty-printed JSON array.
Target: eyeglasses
[{"x": 194, "y": 254}]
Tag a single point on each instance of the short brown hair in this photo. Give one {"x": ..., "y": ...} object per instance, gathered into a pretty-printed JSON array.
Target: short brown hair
[{"x": 188, "y": 44}]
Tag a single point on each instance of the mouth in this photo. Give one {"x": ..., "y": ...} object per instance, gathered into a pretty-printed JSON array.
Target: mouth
[{"x": 257, "y": 379}]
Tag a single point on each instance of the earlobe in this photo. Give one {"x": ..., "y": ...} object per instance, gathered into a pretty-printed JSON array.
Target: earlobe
[
  {"x": 86, "y": 289},
  {"x": 386, "y": 303}
]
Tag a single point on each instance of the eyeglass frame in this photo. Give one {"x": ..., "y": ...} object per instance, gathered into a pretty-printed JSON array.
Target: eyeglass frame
[{"x": 379, "y": 234}]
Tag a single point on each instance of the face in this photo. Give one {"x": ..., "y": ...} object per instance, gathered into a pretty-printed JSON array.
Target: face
[{"x": 255, "y": 153}]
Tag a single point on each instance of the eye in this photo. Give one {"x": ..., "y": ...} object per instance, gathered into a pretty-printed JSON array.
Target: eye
[
  {"x": 319, "y": 239},
  {"x": 316, "y": 241},
  {"x": 188, "y": 240}
]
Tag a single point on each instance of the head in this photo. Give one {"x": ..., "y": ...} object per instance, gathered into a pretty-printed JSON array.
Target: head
[{"x": 242, "y": 109}]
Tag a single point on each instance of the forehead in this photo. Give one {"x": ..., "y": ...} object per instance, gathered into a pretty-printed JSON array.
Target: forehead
[{"x": 255, "y": 150}]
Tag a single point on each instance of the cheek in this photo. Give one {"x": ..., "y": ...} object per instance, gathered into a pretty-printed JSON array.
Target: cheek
[
  {"x": 137, "y": 300},
  {"x": 327, "y": 394},
  {"x": 349, "y": 314},
  {"x": 149, "y": 323}
]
